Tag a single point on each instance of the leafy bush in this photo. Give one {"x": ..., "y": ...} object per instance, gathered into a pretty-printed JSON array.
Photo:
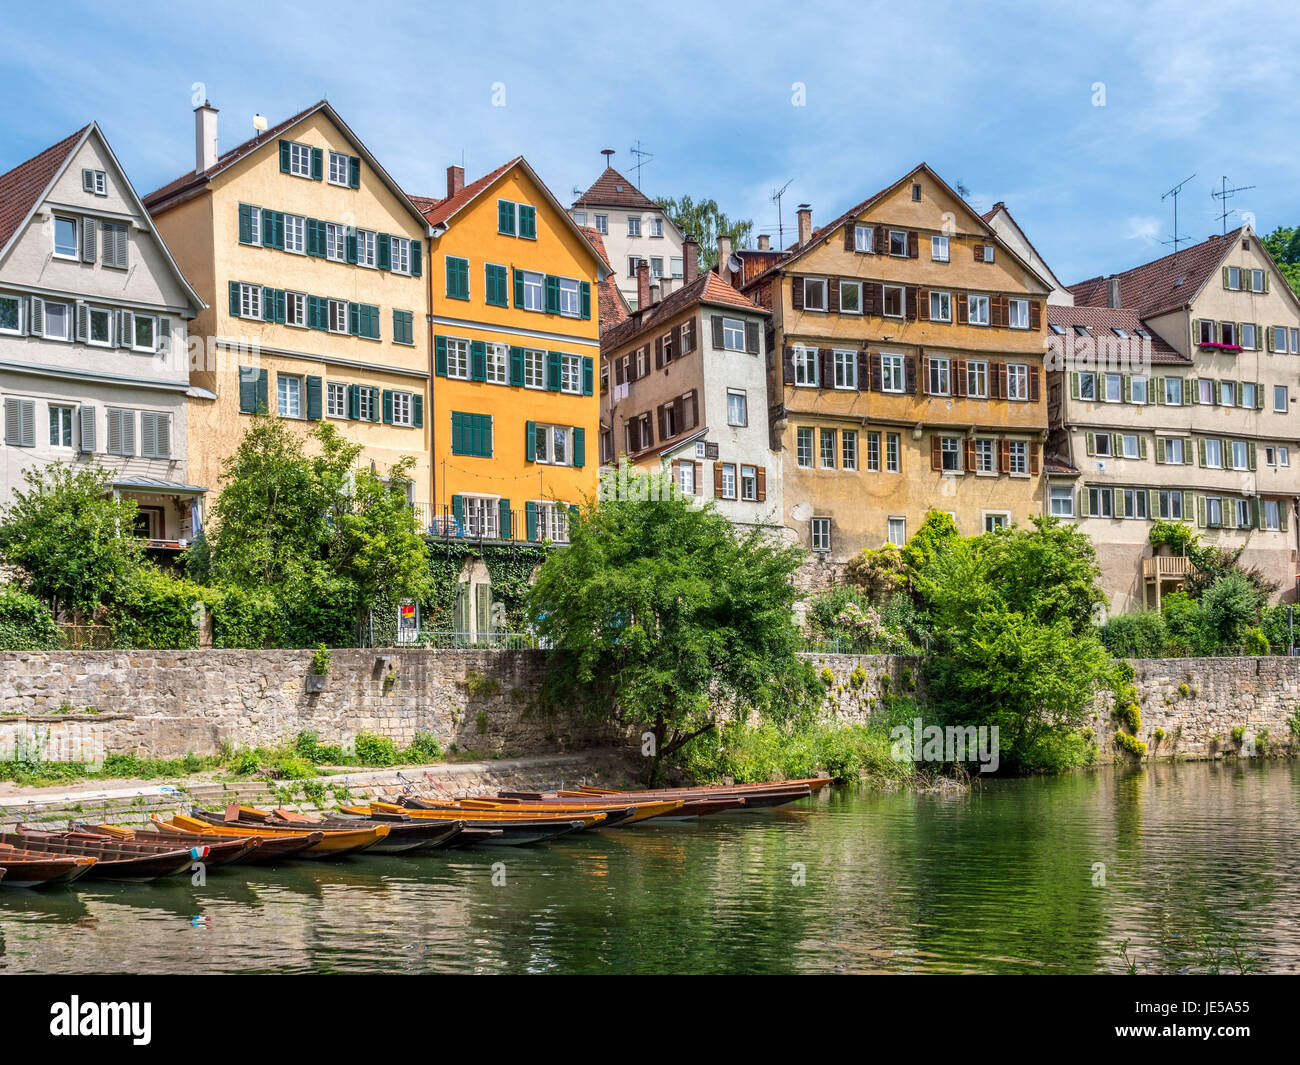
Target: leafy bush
[
  {"x": 1229, "y": 607},
  {"x": 1141, "y": 635},
  {"x": 25, "y": 623},
  {"x": 879, "y": 573},
  {"x": 1255, "y": 642},
  {"x": 154, "y": 609},
  {"x": 242, "y": 618},
  {"x": 1133, "y": 746},
  {"x": 376, "y": 751}
]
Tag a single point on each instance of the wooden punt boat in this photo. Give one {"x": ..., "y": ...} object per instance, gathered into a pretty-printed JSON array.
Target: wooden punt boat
[
  {"x": 811, "y": 783},
  {"x": 403, "y": 836},
  {"x": 221, "y": 851},
  {"x": 616, "y": 811},
  {"x": 690, "y": 808},
  {"x": 29, "y": 869},
  {"x": 263, "y": 849},
  {"x": 114, "y": 859},
  {"x": 328, "y": 844},
  {"x": 515, "y": 830},
  {"x": 756, "y": 796}
]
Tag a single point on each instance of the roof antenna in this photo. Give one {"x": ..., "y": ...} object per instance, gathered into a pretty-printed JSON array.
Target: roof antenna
[
  {"x": 1225, "y": 194},
  {"x": 642, "y": 157},
  {"x": 1174, "y": 193},
  {"x": 608, "y": 153},
  {"x": 780, "y": 227}
]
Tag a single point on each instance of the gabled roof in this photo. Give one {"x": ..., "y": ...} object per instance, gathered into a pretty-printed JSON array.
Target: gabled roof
[
  {"x": 824, "y": 233},
  {"x": 708, "y": 288},
  {"x": 441, "y": 213},
  {"x": 187, "y": 185},
  {"x": 1000, "y": 208},
  {"x": 1162, "y": 285},
  {"x": 612, "y": 189},
  {"x": 1102, "y": 321},
  {"x": 24, "y": 188}
]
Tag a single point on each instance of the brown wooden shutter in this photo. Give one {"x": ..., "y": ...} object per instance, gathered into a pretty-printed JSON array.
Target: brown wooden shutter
[
  {"x": 876, "y": 374},
  {"x": 850, "y": 241},
  {"x": 1033, "y": 458},
  {"x": 923, "y": 304},
  {"x": 979, "y": 253},
  {"x": 715, "y": 320},
  {"x": 870, "y": 297},
  {"x": 997, "y": 311},
  {"x": 677, "y": 341},
  {"x": 910, "y": 302},
  {"x": 833, "y": 295},
  {"x": 619, "y": 372},
  {"x": 925, "y": 375},
  {"x": 968, "y": 454},
  {"x": 909, "y": 373},
  {"x": 1036, "y": 316},
  {"x": 826, "y": 368},
  {"x": 913, "y": 245},
  {"x": 881, "y": 241},
  {"x": 632, "y": 433},
  {"x": 996, "y": 380},
  {"x": 751, "y": 338},
  {"x": 679, "y": 414},
  {"x": 659, "y": 353},
  {"x": 864, "y": 370},
  {"x": 1034, "y": 387},
  {"x": 717, "y": 480},
  {"x": 699, "y": 478},
  {"x": 662, "y": 414},
  {"x": 959, "y": 377},
  {"x": 1004, "y": 457},
  {"x": 963, "y": 308},
  {"x": 677, "y": 467},
  {"x": 762, "y": 484},
  {"x": 936, "y": 453},
  {"x": 787, "y": 365},
  {"x": 796, "y": 293}
]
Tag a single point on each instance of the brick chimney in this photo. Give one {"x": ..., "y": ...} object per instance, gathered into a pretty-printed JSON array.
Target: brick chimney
[
  {"x": 690, "y": 260},
  {"x": 455, "y": 180},
  {"x": 1113, "y": 293},
  {"x": 205, "y": 137},
  {"x": 804, "y": 214},
  {"x": 724, "y": 256},
  {"x": 764, "y": 242},
  {"x": 643, "y": 284}
]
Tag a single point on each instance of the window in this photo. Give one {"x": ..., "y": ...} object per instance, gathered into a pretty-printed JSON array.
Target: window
[
  {"x": 300, "y": 160},
  {"x": 862, "y": 238},
  {"x": 977, "y": 379},
  {"x": 1171, "y": 505},
  {"x": 1205, "y": 332},
  {"x": 1213, "y": 453},
  {"x": 1228, "y": 331},
  {"x": 1101, "y": 446},
  {"x": 686, "y": 478},
  {"x": 367, "y": 254},
  {"x": 1280, "y": 404},
  {"x": 1129, "y": 443},
  {"x": 940, "y": 306},
  {"x": 534, "y": 368},
  {"x": 1017, "y": 456},
  {"x": 552, "y": 444},
  {"x": 534, "y": 292},
  {"x": 805, "y": 367},
  {"x": 65, "y": 237},
  {"x": 1174, "y": 391},
  {"x": 553, "y": 522},
  {"x": 11, "y": 314},
  {"x": 984, "y": 459},
  {"x": 571, "y": 374},
  {"x": 288, "y": 396},
  {"x": 821, "y": 534},
  {"x": 1295, "y": 340},
  {"x": 458, "y": 358},
  {"x": 849, "y": 449},
  {"x": 1240, "y": 455},
  {"x": 827, "y": 456},
  {"x": 850, "y": 297},
  {"x": 1100, "y": 503},
  {"x": 602, "y": 224},
  {"x": 399, "y": 257},
  {"x": 1174, "y": 453},
  {"x": 338, "y": 168},
  {"x": 1135, "y": 502},
  {"x": 939, "y": 249},
  {"x": 367, "y": 403},
  {"x": 1062, "y": 497},
  {"x": 482, "y": 515},
  {"x": 656, "y": 226},
  {"x": 570, "y": 302},
  {"x": 143, "y": 333},
  {"x": 1018, "y": 314},
  {"x": 804, "y": 446},
  {"x": 1204, "y": 390},
  {"x": 749, "y": 483},
  {"x": 498, "y": 364},
  {"x": 733, "y": 334},
  {"x": 336, "y": 242},
  {"x": 893, "y": 445},
  {"x": 950, "y": 454},
  {"x": 979, "y": 310},
  {"x": 846, "y": 369},
  {"x": 1137, "y": 388},
  {"x": 121, "y": 431},
  {"x": 894, "y": 299},
  {"x": 814, "y": 294},
  {"x": 939, "y": 384},
  {"x": 458, "y": 278},
  {"x": 1270, "y": 514},
  {"x": 1257, "y": 281},
  {"x": 891, "y": 373},
  {"x": 1243, "y": 513},
  {"x": 1248, "y": 335},
  {"x": 60, "y": 426},
  {"x": 1248, "y": 394},
  {"x": 295, "y": 309},
  {"x": 897, "y": 533},
  {"x": 100, "y": 327},
  {"x": 1112, "y": 388},
  {"x": 987, "y": 253},
  {"x": 737, "y": 407},
  {"x": 337, "y": 316},
  {"x": 336, "y": 400},
  {"x": 1017, "y": 381},
  {"x": 873, "y": 452},
  {"x": 1228, "y": 393},
  {"x": 898, "y": 242},
  {"x": 1088, "y": 387},
  {"x": 995, "y": 520},
  {"x": 403, "y": 408},
  {"x": 675, "y": 265},
  {"x": 1234, "y": 277},
  {"x": 728, "y": 480},
  {"x": 295, "y": 234},
  {"x": 633, "y": 225},
  {"x": 1213, "y": 510},
  {"x": 94, "y": 181}
]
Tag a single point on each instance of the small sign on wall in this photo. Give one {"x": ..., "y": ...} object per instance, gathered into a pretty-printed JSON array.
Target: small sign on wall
[{"x": 408, "y": 621}]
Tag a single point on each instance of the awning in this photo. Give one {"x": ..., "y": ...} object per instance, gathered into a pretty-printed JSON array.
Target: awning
[{"x": 154, "y": 484}]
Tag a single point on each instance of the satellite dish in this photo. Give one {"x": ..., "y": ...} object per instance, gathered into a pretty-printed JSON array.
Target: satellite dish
[
  {"x": 734, "y": 264},
  {"x": 801, "y": 511}
]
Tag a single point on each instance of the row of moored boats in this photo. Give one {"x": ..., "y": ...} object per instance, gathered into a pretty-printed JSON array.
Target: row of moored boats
[{"x": 247, "y": 835}]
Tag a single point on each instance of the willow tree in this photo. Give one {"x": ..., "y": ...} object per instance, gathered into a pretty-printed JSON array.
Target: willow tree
[{"x": 663, "y": 618}]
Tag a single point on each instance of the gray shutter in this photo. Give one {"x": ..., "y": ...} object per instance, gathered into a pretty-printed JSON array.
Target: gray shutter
[
  {"x": 114, "y": 432},
  {"x": 87, "y": 240},
  {"x": 28, "y": 422},
  {"x": 86, "y": 435},
  {"x": 83, "y": 322},
  {"x": 148, "y": 434},
  {"x": 36, "y": 317},
  {"x": 163, "y": 428},
  {"x": 13, "y": 422},
  {"x": 163, "y": 335},
  {"x": 125, "y": 329},
  {"x": 87, "y": 180}
]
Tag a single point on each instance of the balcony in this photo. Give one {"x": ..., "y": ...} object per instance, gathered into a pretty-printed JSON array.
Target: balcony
[
  {"x": 1167, "y": 568},
  {"x": 498, "y": 527}
]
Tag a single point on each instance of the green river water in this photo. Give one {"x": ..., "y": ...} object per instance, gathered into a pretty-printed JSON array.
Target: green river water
[{"x": 1201, "y": 873}]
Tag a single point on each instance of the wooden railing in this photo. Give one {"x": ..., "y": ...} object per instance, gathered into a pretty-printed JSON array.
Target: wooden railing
[{"x": 1167, "y": 567}]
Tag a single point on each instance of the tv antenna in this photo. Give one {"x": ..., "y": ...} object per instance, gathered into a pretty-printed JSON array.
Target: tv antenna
[
  {"x": 1174, "y": 193},
  {"x": 1225, "y": 194},
  {"x": 642, "y": 157},
  {"x": 776, "y": 199}
]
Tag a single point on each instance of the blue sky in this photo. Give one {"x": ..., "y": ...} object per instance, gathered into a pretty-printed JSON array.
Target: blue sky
[{"x": 998, "y": 97}]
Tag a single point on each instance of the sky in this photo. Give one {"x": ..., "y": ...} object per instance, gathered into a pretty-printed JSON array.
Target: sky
[{"x": 1077, "y": 116}]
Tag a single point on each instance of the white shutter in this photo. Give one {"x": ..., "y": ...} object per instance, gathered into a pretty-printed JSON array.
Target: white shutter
[{"x": 87, "y": 240}]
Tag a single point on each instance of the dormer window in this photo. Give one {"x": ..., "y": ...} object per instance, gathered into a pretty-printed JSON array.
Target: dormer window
[
  {"x": 1082, "y": 330},
  {"x": 1058, "y": 330},
  {"x": 1119, "y": 332}
]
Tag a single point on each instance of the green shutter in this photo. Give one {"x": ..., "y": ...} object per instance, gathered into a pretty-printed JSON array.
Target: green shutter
[
  {"x": 477, "y": 361},
  {"x": 354, "y": 402},
  {"x": 1250, "y": 450},
  {"x": 519, "y": 289},
  {"x": 527, "y": 222},
  {"x": 354, "y": 172},
  {"x": 417, "y": 252},
  {"x": 440, "y": 356},
  {"x": 354, "y": 319},
  {"x": 1074, "y": 385},
  {"x": 588, "y": 373},
  {"x": 516, "y": 365},
  {"x": 268, "y": 304},
  {"x": 1090, "y": 440},
  {"x": 585, "y": 290},
  {"x": 506, "y": 217},
  {"x": 1083, "y": 502},
  {"x": 384, "y": 251},
  {"x": 317, "y": 164},
  {"x": 263, "y": 392},
  {"x": 530, "y": 513},
  {"x": 553, "y": 360},
  {"x": 579, "y": 446},
  {"x": 247, "y": 390},
  {"x": 350, "y": 245},
  {"x": 458, "y": 510},
  {"x": 388, "y": 406},
  {"x": 245, "y": 224},
  {"x": 284, "y": 157},
  {"x": 552, "y": 294},
  {"x": 314, "y": 411},
  {"x": 1160, "y": 449},
  {"x": 417, "y": 410},
  {"x": 530, "y": 444},
  {"x": 234, "y": 298},
  {"x": 505, "y": 532},
  {"x": 1200, "y": 511},
  {"x": 1142, "y": 447}
]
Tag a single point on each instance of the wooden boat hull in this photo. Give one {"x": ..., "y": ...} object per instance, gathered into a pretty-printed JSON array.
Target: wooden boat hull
[
  {"x": 264, "y": 850},
  {"x": 221, "y": 851},
  {"x": 515, "y": 831},
  {"x": 615, "y": 812},
  {"x": 24, "y": 869},
  {"x": 755, "y": 799},
  {"x": 333, "y": 843},
  {"x": 490, "y": 816},
  {"x": 114, "y": 859}
]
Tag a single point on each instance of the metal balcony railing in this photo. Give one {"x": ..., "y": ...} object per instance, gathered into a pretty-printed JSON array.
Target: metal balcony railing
[{"x": 492, "y": 526}]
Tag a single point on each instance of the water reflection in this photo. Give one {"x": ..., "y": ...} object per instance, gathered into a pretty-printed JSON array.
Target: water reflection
[{"x": 1193, "y": 865}]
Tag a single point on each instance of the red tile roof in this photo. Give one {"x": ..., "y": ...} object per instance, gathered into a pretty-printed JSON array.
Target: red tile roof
[
  {"x": 612, "y": 189},
  {"x": 187, "y": 182},
  {"x": 1164, "y": 284},
  {"x": 707, "y": 288},
  {"x": 597, "y": 242},
  {"x": 21, "y": 187},
  {"x": 1060, "y": 467},
  {"x": 612, "y": 306},
  {"x": 438, "y": 211},
  {"x": 1100, "y": 321}
]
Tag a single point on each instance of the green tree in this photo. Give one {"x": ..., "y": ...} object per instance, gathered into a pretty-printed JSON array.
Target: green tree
[
  {"x": 662, "y": 617},
  {"x": 25, "y": 623},
  {"x": 705, "y": 220},
  {"x": 1284, "y": 245},
  {"x": 70, "y": 539},
  {"x": 936, "y": 532}
]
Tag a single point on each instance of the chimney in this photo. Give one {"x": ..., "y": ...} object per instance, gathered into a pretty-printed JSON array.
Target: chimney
[
  {"x": 724, "y": 256},
  {"x": 205, "y": 137},
  {"x": 654, "y": 292},
  {"x": 690, "y": 260},
  {"x": 665, "y": 287},
  {"x": 1112, "y": 293},
  {"x": 804, "y": 214},
  {"x": 455, "y": 180},
  {"x": 764, "y": 242},
  {"x": 643, "y": 284}
]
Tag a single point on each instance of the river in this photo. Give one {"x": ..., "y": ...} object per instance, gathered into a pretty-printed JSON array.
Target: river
[{"x": 1194, "y": 865}]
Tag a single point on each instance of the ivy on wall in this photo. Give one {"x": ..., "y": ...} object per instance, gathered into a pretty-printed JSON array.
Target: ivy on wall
[{"x": 510, "y": 567}]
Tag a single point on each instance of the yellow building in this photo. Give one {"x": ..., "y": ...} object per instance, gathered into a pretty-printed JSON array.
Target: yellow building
[
  {"x": 515, "y": 417},
  {"x": 310, "y": 259}
]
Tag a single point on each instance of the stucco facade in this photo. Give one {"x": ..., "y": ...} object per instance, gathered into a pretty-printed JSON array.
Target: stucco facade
[
  {"x": 906, "y": 373},
  {"x": 311, "y": 261},
  {"x": 93, "y": 313}
]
